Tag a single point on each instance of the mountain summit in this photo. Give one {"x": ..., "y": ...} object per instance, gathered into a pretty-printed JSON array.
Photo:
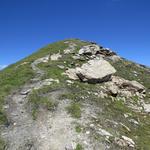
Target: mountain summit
[{"x": 75, "y": 95}]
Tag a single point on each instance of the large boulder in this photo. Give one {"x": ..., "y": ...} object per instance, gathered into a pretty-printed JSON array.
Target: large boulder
[{"x": 95, "y": 71}]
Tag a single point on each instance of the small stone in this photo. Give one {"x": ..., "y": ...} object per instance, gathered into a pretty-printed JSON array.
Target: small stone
[
  {"x": 147, "y": 108},
  {"x": 69, "y": 81},
  {"x": 87, "y": 132},
  {"x": 91, "y": 125},
  {"x": 25, "y": 92},
  {"x": 129, "y": 141},
  {"x": 125, "y": 141},
  {"x": 134, "y": 121},
  {"x": 104, "y": 132},
  {"x": 60, "y": 66},
  {"x": 71, "y": 74},
  {"x": 85, "y": 142}
]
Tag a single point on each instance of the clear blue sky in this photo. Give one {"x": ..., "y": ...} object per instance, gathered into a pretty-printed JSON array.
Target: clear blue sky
[{"x": 27, "y": 25}]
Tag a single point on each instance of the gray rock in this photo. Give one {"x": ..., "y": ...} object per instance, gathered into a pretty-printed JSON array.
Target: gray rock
[
  {"x": 55, "y": 56},
  {"x": 25, "y": 92},
  {"x": 125, "y": 141},
  {"x": 147, "y": 108},
  {"x": 133, "y": 85},
  {"x": 89, "y": 50},
  {"x": 71, "y": 74},
  {"x": 95, "y": 71},
  {"x": 104, "y": 133},
  {"x": 124, "y": 87}
]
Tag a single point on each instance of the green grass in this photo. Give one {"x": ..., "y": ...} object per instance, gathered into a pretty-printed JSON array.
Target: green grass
[
  {"x": 75, "y": 110},
  {"x": 2, "y": 145},
  {"x": 79, "y": 147},
  {"x": 78, "y": 128}
]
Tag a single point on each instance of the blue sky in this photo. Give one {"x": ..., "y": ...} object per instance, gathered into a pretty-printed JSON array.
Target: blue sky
[{"x": 27, "y": 25}]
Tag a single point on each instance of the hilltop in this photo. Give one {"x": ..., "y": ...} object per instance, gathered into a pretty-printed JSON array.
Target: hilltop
[{"x": 75, "y": 95}]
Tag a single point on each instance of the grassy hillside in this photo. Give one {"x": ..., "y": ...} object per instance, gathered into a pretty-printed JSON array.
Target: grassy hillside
[{"x": 80, "y": 94}]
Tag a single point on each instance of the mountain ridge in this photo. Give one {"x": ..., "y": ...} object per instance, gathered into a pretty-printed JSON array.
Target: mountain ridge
[{"x": 39, "y": 87}]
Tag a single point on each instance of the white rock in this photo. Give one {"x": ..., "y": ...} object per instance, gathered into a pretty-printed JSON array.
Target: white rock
[
  {"x": 104, "y": 132},
  {"x": 91, "y": 125},
  {"x": 146, "y": 108},
  {"x": 95, "y": 71},
  {"x": 69, "y": 81},
  {"x": 60, "y": 66},
  {"x": 87, "y": 132},
  {"x": 71, "y": 73},
  {"x": 55, "y": 56},
  {"x": 134, "y": 121},
  {"x": 25, "y": 92},
  {"x": 89, "y": 49},
  {"x": 129, "y": 141}
]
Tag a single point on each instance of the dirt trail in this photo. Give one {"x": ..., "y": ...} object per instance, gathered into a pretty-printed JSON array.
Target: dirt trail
[{"x": 23, "y": 130}]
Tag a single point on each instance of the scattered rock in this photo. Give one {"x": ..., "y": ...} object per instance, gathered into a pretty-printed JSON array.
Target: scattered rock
[
  {"x": 71, "y": 74},
  {"x": 124, "y": 87},
  {"x": 71, "y": 48},
  {"x": 87, "y": 132},
  {"x": 106, "y": 52},
  {"x": 89, "y": 50},
  {"x": 69, "y": 81},
  {"x": 95, "y": 71},
  {"x": 76, "y": 57},
  {"x": 133, "y": 85},
  {"x": 55, "y": 56},
  {"x": 125, "y": 141},
  {"x": 104, "y": 133},
  {"x": 146, "y": 108},
  {"x": 25, "y": 92},
  {"x": 61, "y": 66},
  {"x": 92, "y": 125},
  {"x": 102, "y": 94},
  {"x": 134, "y": 121}
]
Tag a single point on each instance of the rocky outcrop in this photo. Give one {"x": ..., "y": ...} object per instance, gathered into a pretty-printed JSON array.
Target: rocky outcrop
[
  {"x": 89, "y": 50},
  {"x": 124, "y": 87},
  {"x": 95, "y": 49},
  {"x": 106, "y": 52},
  {"x": 94, "y": 71},
  {"x": 55, "y": 56}
]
